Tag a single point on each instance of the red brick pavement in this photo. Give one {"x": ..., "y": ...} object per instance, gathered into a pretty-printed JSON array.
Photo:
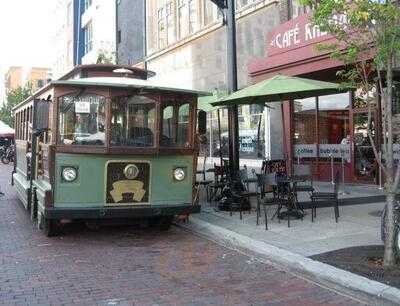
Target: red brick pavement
[{"x": 126, "y": 265}]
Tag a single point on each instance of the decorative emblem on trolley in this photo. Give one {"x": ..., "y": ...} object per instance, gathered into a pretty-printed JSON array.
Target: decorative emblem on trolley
[
  {"x": 134, "y": 187},
  {"x": 128, "y": 182},
  {"x": 131, "y": 171}
]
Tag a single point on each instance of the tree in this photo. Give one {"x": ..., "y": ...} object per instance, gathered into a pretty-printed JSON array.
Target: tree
[
  {"x": 365, "y": 29},
  {"x": 14, "y": 97},
  {"x": 106, "y": 57}
]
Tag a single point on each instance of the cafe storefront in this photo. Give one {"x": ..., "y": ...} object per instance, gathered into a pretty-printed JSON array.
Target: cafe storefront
[{"x": 327, "y": 132}]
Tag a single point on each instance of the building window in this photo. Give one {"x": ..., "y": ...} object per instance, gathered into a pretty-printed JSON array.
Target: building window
[
  {"x": 242, "y": 3},
  {"x": 88, "y": 35},
  {"x": 192, "y": 6},
  {"x": 298, "y": 9},
  {"x": 210, "y": 12},
  {"x": 69, "y": 13},
  {"x": 161, "y": 32},
  {"x": 183, "y": 29},
  {"x": 88, "y": 3},
  {"x": 170, "y": 20}
]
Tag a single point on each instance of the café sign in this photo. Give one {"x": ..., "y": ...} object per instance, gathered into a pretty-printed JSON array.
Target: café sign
[{"x": 297, "y": 33}]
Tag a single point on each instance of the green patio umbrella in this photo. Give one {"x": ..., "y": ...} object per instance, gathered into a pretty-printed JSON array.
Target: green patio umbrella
[
  {"x": 205, "y": 103},
  {"x": 279, "y": 88}
]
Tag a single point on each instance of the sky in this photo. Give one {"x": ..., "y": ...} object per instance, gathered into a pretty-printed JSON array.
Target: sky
[{"x": 26, "y": 33}]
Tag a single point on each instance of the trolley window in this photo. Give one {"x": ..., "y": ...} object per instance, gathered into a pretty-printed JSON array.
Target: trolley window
[
  {"x": 133, "y": 122},
  {"x": 176, "y": 125},
  {"x": 82, "y": 120}
]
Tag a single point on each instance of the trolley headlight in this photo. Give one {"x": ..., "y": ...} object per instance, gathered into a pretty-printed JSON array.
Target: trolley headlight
[
  {"x": 179, "y": 174},
  {"x": 69, "y": 174}
]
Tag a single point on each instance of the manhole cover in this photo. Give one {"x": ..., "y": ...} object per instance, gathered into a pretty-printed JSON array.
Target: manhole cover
[{"x": 376, "y": 213}]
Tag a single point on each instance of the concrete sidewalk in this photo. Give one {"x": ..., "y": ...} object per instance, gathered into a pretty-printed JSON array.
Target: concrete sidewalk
[{"x": 358, "y": 225}]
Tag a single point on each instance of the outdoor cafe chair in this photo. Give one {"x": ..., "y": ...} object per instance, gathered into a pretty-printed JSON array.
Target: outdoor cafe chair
[
  {"x": 203, "y": 183},
  {"x": 266, "y": 184},
  {"x": 303, "y": 173},
  {"x": 326, "y": 197},
  {"x": 245, "y": 180},
  {"x": 219, "y": 182}
]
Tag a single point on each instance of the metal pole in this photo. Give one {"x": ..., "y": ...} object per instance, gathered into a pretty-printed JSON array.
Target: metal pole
[
  {"x": 380, "y": 171},
  {"x": 219, "y": 139},
  {"x": 344, "y": 192},
  {"x": 332, "y": 179},
  {"x": 233, "y": 122}
]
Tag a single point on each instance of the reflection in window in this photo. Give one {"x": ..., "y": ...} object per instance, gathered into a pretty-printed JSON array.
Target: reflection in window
[
  {"x": 133, "y": 122},
  {"x": 183, "y": 125},
  {"x": 175, "y": 125},
  {"x": 333, "y": 126},
  {"x": 304, "y": 121},
  {"x": 82, "y": 120},
  {"x": 168, "y": 126}
]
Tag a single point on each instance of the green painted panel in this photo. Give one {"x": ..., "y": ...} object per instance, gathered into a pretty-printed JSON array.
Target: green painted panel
[{"x": 89, "y": 188}]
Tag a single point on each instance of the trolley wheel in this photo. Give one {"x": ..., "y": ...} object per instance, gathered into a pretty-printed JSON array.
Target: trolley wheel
[
  {"x": 161, "y": 223},
  {"x": 5, "y": 160},
  {"x": 164, "y": 224},
  {"x": 48, "y": 226}
]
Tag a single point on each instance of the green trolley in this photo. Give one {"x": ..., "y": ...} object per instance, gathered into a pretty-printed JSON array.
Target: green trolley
[{"x": 106, "y": 142}]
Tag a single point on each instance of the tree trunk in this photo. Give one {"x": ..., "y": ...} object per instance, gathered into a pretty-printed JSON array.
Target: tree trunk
[{"x": 389, "y": 256}]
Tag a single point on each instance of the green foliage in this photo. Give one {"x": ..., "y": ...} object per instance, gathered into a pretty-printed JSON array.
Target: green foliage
[
  {"x": 14, "y": 97},
  {"x": 361, "y": 27},
  {"x": 105, "y": 57}
]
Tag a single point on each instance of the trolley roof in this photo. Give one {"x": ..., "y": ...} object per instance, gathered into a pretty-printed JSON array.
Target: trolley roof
[{"x": 122, "y": 82}]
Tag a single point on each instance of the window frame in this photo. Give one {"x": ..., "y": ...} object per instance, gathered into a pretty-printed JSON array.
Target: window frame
[
  {"x": 88, "y": 37},
  {"x": 76, "y": 148}
]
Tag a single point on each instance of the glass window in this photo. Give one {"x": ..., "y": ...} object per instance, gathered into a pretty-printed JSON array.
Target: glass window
[
  {"x": 88, "y": 3},
  {"x": 171, "y": 37},
  {"x": 168, "y": 126},
  {"x": 210, "y": 12},
  {"x": 305, "y": 128},
  {"x": 176, "y": 125},
  {"x": 88, "y": 35},
  {"x": 298, "y": 9},
  {"x": 183, "y": 125},
  {"x": 334, "y": 129},
  {"x": 133, "y": 121},
  {"x": 192, "y": 16},
  {"x": 183, "y": 19},
  {"x": 161, "y": 31},
  {"x": 82, "y": 120}
]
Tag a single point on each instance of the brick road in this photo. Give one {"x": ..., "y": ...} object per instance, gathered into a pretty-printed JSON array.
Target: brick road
[{"x": 126, "y": 265}]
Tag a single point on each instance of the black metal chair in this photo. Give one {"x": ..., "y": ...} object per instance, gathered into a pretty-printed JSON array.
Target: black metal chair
[
  {"x": 266, "y": 184},
  {"x": 326, "y": 197},
  {"x": 203, "y": 182},
  {"x": 303, "y": 172},
  {"x": 219, "y": 182}
]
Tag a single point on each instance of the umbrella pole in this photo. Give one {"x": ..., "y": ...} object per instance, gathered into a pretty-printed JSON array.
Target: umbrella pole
[
  {"x": 219, "y": 138},
  {"x": 258, "y": 135}
]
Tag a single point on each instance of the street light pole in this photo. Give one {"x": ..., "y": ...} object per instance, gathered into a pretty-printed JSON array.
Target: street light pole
[{"x": 233, "y": 122}]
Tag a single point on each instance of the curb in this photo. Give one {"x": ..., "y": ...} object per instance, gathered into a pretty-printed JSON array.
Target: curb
[{"x": 355, "y": 285}]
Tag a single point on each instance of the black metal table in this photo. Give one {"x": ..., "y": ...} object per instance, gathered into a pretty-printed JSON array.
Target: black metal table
[{"x": 287, "y": 190}]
